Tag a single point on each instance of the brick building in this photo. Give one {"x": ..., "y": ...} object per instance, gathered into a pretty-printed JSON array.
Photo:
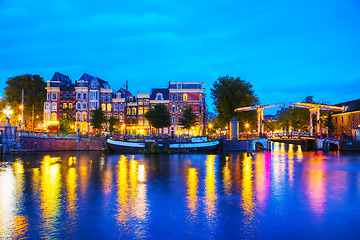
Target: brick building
[
  {"x": 68, "y": 100},
  {"x": 348, "y": 122}
]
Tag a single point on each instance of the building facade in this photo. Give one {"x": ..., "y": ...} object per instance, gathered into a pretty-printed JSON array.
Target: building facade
[
  {"x": 76, "y": 101},
  {"x": 348, "y": 122}
]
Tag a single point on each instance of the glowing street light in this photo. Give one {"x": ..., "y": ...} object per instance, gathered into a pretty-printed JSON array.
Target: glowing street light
[{"x": 8, "y": 111}]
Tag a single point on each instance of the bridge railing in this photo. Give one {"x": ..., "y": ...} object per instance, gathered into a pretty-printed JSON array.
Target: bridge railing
[
  {"x": 289, "y": 134},
  {"x": 47, "y": 134}
]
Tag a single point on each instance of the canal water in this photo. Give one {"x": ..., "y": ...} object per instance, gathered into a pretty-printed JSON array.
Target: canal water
[{"x": 283, "y": 194}]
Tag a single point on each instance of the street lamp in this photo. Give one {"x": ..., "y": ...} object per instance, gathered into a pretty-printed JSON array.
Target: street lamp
[
  {"x": 8, "y": 111},
  {"x": 247, "y": 127}
]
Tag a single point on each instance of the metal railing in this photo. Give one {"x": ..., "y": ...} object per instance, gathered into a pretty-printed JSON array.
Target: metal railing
[
  {"x": 289, "y": 134},
  {"x": 48, "y": 134}
]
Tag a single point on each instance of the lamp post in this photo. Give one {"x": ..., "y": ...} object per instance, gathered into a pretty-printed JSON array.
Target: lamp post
[
  {"x": 247, "y": 126},
  {"x": 8, "y": 111}
]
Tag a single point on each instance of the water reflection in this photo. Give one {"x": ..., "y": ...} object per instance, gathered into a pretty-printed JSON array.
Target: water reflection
[
  {"x": 315, "y": 183},
  {"x": 132, "y": 196},
  {"x": 62, "y": 196},
  {"x": 192, "y": 190},
  {"x": 12, "y": 224},
  {"x": 50, "y": 193},
  {"x": 210, "y": 190},
  {"x": 262, "y": 178},
  {"x": 227, "y": 178}
]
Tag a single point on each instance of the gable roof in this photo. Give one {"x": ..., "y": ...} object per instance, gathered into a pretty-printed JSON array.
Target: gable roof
[
  {"x": 60, "y": 77},
  {"x": 89, "y": 78},
  {"x": 163, "y": 91},
  {"x": 353, "y": 106},
  {"x": 124, "y": 92}
]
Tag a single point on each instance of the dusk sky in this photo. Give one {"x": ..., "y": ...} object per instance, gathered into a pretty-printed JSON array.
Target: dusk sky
[{"x": 287, "y": 49}]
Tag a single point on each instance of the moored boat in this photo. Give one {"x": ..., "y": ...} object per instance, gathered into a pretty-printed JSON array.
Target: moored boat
[
  {"x": 196, "y": 145},
  {"x": 125, "y": 147}
]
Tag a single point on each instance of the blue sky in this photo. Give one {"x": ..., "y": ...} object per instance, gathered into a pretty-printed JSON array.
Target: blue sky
[{"x": 287, "y": 49}]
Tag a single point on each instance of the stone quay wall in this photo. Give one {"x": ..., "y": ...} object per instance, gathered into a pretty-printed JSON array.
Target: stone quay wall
[{"x": 31, "y": 143}]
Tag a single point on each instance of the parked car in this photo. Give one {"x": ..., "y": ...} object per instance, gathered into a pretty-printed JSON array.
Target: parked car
[
  {"x": 164, "y": 136},
  {"x": 151, "y": 136}
]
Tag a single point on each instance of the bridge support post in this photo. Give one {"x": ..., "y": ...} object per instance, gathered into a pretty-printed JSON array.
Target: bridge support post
[
  {"x": 234, "y": 125},
  {"x": 268, "y": 145}
]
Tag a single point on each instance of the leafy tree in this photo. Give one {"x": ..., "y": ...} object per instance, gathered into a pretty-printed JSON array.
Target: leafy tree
[
  {"x": 65, "y": 125},
  {"x": 34, "y": 96},
  {"x": 188, "y": 118},
  {"x": 98, "y": 119},
  {"x": 230, "y": 93},
  {"x": 329, "y": 124},
  {"x": 112, "y": 122},
  {"x": 158, "y": 116},
  {"x": 309, "y": 99}
]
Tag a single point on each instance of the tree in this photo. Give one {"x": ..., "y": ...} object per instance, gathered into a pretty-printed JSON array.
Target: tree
[
  {"x": 158, "y": 116},
  {"x": 97, "y": 119},
  {"x": 34, "y": 96},
  {"x": 65, "y": 125},
  {"x": 188, "y": 118},
  {"x": 112, "y": 122},
  {"x": 229, "y": 93},
  {"x": 330, "y": 125}
]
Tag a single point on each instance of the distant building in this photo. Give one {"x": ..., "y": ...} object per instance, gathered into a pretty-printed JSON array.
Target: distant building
[
  {"x": 347, "y": 122},
  {"x": 187, "y": 93},
  {"x": 60, "y": 100},
  {"x": 75, "y": 101}
]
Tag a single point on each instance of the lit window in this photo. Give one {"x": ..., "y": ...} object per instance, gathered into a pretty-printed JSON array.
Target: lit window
[
  {"x": 185, "y": 97},
  {"x": 128, "y": 111},
  {"x": 121, "y": 117},
  {"x": 109, "y": 107},
  {"x": 70, "y": 106},
  {"x": 146, "y": 101},
  {"x": 141, "y": 101},
  {"x": 78, "y": 115},
  {"x": 64, "y": 105},
  {"x": 53, "y": 117},
  {"x": 103, "y": 107},
  {"x": 84, "y": 116},
  {"x": 64, "y": 115},
  {"x": 146, "y": 109},
  {"x": 141, "y": 110},
  {"x": 133, "y": 111}
]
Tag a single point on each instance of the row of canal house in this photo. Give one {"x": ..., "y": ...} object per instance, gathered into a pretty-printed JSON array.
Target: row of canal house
[{"x": 66, "y": 99}]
